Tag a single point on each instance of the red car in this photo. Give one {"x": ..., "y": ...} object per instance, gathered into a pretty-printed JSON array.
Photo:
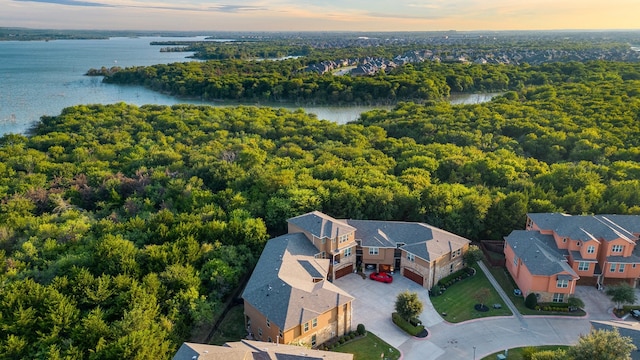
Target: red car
[{"x": 381, "y": 276}]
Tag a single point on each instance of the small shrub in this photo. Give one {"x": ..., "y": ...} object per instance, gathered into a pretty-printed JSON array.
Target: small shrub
[
  {"x": 360, "y": 329},
  {"x": 531, "y": 301}
]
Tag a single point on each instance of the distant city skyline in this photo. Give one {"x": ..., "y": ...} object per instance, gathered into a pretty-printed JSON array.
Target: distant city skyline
[{"x": 328, "y": 15}]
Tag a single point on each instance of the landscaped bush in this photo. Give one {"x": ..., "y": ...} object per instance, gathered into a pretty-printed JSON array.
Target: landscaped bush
[
  {"x": 531, "y": 301},
  {"x": 406, "y": 325},
  {"x": 360, "y": 329},
  {"x": 456, "y": 276}
]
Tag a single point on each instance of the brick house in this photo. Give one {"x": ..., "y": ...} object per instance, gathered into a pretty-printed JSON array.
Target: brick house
[
  {"x": 556, "y": 252},
  {"x": 290, "y": 298},
  {"x": 420, "y": 252}
]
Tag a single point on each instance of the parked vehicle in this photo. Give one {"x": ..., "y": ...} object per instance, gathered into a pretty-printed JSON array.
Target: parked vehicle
[
  {"x": 635, "y": 314},
  {"x": 381, "y": 276}
]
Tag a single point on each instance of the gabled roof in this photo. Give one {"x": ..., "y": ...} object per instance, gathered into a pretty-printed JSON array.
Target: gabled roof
[
  {"x": 539, "y": 253},
  {"x": 254, "y": 350},
  {"x": 422, "y": 240},
  {"x": 589, "y": 227},
  {"x": 321, "y": 225},
  {"x": 282, "y": 285}
]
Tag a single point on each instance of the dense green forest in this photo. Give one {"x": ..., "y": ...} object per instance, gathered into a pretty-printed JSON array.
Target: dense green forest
[
  {"x": 123, "y": 229},
  {"x": 286, "y": 81}
]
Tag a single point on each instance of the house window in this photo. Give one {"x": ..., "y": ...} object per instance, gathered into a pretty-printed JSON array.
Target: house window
[
  {"x": 268, "y": 323},
  {"x": 621, "y": 268},
  {"x": 562, "y": 283},
  {"x": 529, "y": 223},
  {"x": 450, "y": 268},
  {"x": 313, "y": 340},
  {"x": 314, "y": 322},
  {"x": 306, "y": 327},
  {"x": 633, "y": 266},
  {"x": 411, "y": 257},
  {"x": 583, "y": 266},
  {"x": 617, "y": 248},
  {"x": 515, "y": 261},
  {"x": 591, "y": 249},
  {"x": 612, "y": 267},
  {"x": 558, "y": 297},
  {"x": 455, "y": 253},
  {"x": 578, "y": 243},
  {"x": 373, "y": 251},
  {"x": 324, "y": 255},
  {"x": 344, "y": 238},
  {"x": 260, "y": 332},
  {"x": 564, "y": 240},
  {"x": 269, "y": 339},
  {"x": 347, "y": 252},
  {"x": 280, "y": 334}
]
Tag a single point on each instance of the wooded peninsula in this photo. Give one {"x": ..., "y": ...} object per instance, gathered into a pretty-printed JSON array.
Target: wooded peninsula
[{"x": 124, "y": 229}]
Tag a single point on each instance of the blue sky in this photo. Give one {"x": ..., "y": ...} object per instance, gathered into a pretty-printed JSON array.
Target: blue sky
[{"x": 318, "y": 15}]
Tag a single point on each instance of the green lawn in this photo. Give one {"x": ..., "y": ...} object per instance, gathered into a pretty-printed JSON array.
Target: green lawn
[
  {"x": 369, "y": 347},
  {"x": 516, "y": 353},
  {"x": 458, "y": 300},
  {"x": 231, "y": 328},
  {"x": 508, "y": 285}
]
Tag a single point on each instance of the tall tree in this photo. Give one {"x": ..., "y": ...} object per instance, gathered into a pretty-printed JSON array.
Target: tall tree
[{"x": 602, "y": 345}]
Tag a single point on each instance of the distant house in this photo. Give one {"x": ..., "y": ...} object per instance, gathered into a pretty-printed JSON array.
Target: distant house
[
  {"x": 290, "y": 297},
  {"x": 556, "y": 252},
  {"x": 250, "y": 350}
]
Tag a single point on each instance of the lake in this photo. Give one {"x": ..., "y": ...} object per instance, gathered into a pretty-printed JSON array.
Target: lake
[{"x": 43, "y": 77}]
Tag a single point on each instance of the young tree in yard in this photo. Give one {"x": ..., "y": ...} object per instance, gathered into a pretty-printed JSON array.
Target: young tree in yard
[
  {"x": 473, "y": 255},
  {"x": 602, "y": 345},
  {"x": 482, "y": 295},
  {"x": 622, "y": 294},
  {"x": 408, "y": 305}
]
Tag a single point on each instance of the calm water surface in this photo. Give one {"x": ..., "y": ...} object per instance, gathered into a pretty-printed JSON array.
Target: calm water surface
[{"x": 43, "y": 77}]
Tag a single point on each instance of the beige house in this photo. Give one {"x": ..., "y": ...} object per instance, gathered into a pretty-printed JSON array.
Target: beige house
[
  {"x": 252, "y": 350},
  {"x": 420, "y": 252},
  {"x": 290, "y": 297}
]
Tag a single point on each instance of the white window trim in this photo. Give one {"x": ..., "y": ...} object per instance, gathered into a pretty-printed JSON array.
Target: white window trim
[
  {"x": 411, "y": 257},
  {"x": 374, "y": 250}
]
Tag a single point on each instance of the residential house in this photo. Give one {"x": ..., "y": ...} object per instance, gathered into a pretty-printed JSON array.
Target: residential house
[
  {"x": 420, "y": 252},
  {"x": 253, "y": 350},
  {"x": 290, "y": 297},
  {"x": 556, "y": 252}
]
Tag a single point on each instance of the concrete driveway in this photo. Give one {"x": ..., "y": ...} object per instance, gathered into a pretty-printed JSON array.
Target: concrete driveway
[{"x": 374, "y": 303}]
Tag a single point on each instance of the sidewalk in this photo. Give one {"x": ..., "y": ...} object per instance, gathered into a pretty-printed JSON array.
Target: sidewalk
[{"x": 501, "y": 292}]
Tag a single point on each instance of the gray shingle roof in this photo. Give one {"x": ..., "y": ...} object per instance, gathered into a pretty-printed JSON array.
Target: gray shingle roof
[
  {"x": 254, "y": 350},
  {"x": 321, "y": 225},
  {"x": 539, "y": 253},
  {"x": 422, "y": 240},
  {"x": 282, "y": 287},
  {"x": 589, "y": 227}
]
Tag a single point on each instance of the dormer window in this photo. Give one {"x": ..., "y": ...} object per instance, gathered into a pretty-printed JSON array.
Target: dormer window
[{"x": 617, "y": 248}]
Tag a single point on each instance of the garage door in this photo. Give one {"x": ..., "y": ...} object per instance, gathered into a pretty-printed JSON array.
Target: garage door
[
  {"x": 344, "y": 271},
  {"x": 413, "y": 276}
]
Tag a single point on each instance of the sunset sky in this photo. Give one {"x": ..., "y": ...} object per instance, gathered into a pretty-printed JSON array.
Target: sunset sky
[{"x": 329, "y": 15}]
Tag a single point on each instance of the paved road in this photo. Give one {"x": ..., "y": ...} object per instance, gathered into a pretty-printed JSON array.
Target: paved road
[{"x": 374, "y": 302}]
